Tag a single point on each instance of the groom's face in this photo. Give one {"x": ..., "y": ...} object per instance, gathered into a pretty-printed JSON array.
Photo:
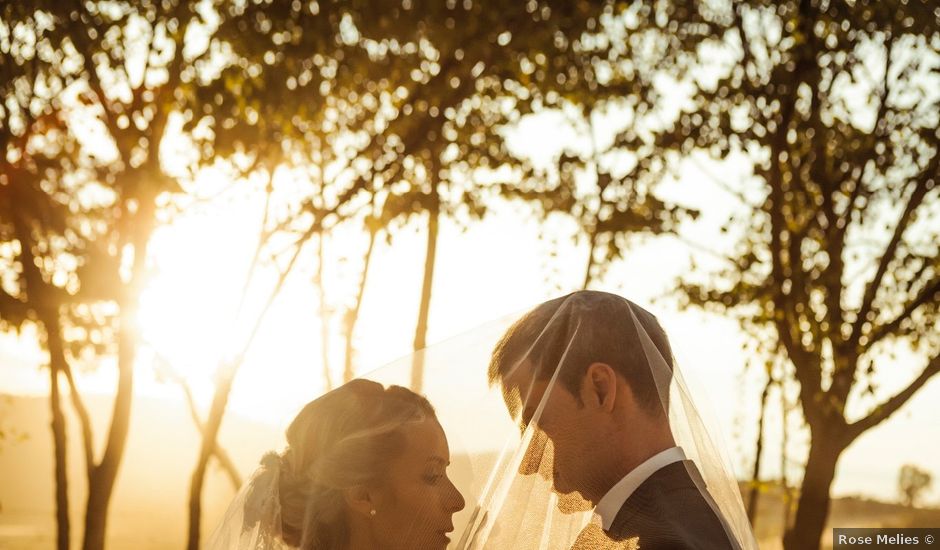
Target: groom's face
[{"x": 563, "y": 444}]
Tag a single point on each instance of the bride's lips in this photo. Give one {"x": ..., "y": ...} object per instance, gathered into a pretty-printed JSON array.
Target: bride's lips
[{"x": 444, "y": 533}]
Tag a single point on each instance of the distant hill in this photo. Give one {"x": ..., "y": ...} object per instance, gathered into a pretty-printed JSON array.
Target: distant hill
[
  {"x": 845, "y": 512},
  {"x": 149, "y": 507}
]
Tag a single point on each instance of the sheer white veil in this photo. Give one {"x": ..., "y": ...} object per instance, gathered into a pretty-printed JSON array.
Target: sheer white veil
[
  {"x": 502, "y": 465},
  {"x": 253, "y": 519}
]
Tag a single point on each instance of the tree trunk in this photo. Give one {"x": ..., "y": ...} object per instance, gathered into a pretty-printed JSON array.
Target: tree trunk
[
  {"x": 104, "y": 475},
  {"x": 813, "y": 504},
  {"x": 592, "y": 244},
  {"x": 216, "y": 412},
  {"x": 49, "y": 317},
  {"x": 784, "y": 443},
  {"x": 226, "y": 377},
  {"x": 227, "y": 372},
  {"x": 758, "y": 450},
  {"x": 56, "y": 356},
  {"x": 324, "y": 316},
  {"x": 421, "y": 330},
  {"x": 353, "y": 315},
  {"x": 221, "y": 456}
]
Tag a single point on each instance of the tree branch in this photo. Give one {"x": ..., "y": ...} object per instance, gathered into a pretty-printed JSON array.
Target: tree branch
[
  {"x": 785, "y": 318},
  {"x": 886, "y": 258},
  {"x": 84, "y": 420},
  {"x": 94, "y": 81},
  {"x": 137, "y": 91},
  {"x": 886, "y": 409},
  {"x": 262, "y": 241},
  {"x": 225, "y": 461},
  {"x": 747, "y": 60},
  {"x": 931, "y": 290}
]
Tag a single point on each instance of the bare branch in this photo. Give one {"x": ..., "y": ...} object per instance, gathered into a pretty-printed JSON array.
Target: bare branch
[
  {"x": 137, "y": 92},
  {"x": 886, "y": 409},
  {"x": 262, "y": 241},
  {"x": 94, "y": 81},
  {"x": 930, "y": 291},
  {"x": 871, "y": 291},
  {"x": 225, "y": 461},
  {"x": 324, "y": 314},
  {"x": 84, "y": 420},
  {"x": 706, "y": 250},
  {"x": 747, "y": 61},
  {"x": 720, "y": 183}
]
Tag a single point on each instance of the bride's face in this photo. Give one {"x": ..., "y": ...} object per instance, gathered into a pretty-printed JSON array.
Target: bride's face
[{"x": 416, "y": 503}]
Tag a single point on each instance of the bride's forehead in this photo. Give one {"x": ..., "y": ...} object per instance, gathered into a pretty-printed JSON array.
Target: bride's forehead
[{"x": 427, "y": 438}]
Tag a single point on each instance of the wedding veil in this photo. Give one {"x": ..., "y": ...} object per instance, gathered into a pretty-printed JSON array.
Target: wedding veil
[{"x": 501, "y": 459}]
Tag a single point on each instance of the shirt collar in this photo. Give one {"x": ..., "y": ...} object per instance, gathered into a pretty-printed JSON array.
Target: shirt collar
[{"x": 609, "y": 506}]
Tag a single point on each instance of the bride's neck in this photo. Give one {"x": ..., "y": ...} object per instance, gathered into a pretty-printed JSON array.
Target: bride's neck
[{"x": 360, "y": 537}]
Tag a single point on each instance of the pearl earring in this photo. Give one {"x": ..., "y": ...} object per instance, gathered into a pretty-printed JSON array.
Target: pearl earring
[{"x": 372, "y": 512}]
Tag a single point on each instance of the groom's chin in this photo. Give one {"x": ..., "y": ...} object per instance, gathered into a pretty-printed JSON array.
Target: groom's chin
[
  {"x": 570, "y": 500},
  {"x": 560, "y": 486},
  {"x": 573, "y": 502}
]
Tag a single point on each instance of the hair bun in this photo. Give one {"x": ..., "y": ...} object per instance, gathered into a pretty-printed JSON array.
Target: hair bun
[{"x": 271, "y": 461}]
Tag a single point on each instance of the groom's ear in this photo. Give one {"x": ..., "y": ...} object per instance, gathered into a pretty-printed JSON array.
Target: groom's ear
[
  {"x": 599, "y": 388},
  {"x": 360, "y": 500}
]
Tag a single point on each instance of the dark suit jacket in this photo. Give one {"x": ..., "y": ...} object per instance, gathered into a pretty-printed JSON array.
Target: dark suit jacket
[{"x": 666, "y": 512}]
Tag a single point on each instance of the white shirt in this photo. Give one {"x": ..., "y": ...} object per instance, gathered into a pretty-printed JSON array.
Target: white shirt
[{"x": 609, "y": 506}]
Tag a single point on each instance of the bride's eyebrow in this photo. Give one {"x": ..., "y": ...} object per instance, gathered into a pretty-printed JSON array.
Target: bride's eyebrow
[{"x": 439, "y": 460}]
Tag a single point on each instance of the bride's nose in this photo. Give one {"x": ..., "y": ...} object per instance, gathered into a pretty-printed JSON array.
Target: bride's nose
[{"x": 455, "y": 499}]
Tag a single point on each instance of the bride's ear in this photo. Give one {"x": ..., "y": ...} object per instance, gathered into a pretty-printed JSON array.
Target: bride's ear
[
  {"x": 599, "y": 388},
  {"x": 360, "y": 500}
]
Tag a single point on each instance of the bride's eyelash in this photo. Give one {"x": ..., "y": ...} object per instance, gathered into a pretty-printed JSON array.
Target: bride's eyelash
[{"x": 432, "y": 478}]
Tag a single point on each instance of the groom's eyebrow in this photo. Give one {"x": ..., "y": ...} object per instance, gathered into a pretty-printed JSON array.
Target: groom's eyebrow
[{"x": 438, "y": 459}]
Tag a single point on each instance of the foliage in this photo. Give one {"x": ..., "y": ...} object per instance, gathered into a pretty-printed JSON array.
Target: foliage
[{"x": 912, "y": 482}]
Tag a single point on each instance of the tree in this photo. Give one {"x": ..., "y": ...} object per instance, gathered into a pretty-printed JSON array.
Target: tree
[
  {"x": 394, "y": 106},
  {"x": 37, "y": 229},
  {"x": 837, "y": 269},
  {"x": 121, "y": 67},
  {"x": 611, "y": 200},
  {"x": 413, "y": 99},
  {"x": 912, "y": 482},
  {"x": 457, "y": 80},
  {"x": 261, "y": 107}
]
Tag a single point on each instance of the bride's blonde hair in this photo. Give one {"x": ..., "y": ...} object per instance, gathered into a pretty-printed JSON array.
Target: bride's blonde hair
[{"x": 343, "y": 439}]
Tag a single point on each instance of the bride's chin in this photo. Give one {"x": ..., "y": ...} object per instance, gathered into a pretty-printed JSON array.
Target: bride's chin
[{"x": 442, "y": 540}]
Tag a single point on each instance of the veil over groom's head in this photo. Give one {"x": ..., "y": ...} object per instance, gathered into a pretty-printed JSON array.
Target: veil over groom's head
[
  {"x": 610, "y": 426},
  {"x": 606, "y": 333},
  {"x": 578, "y": 368}
]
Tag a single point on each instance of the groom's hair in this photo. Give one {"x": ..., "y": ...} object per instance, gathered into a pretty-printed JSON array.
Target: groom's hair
[{"x": 606, "y": 333}]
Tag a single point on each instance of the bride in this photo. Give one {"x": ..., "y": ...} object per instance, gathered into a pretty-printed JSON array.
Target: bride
[
  {"x": 365, "y": 468},
  {"x": 547, "y": 453}
]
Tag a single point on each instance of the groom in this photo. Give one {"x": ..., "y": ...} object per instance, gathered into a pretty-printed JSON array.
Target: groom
[{"x": 607, "y": 422}]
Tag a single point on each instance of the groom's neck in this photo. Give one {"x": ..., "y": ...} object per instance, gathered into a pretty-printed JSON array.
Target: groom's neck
[{"x": 631, "y": 451}]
